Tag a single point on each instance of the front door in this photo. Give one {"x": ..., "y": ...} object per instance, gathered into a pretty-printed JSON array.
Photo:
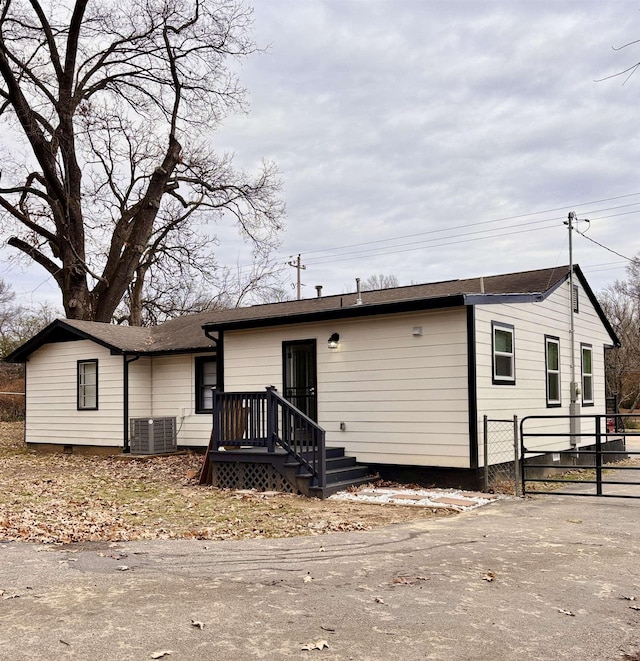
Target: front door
[{"x": 299, "y": 378}]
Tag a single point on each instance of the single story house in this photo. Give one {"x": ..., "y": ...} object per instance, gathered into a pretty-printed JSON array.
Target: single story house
[{"x": 400, "y": 378}]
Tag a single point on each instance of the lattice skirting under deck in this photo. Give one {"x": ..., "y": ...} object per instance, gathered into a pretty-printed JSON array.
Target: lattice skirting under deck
[{"x": 242, "y": 475}]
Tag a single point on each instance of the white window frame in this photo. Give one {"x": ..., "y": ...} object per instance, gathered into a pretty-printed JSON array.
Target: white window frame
[
  {"x": 503, "y": 379},
  {"x": 549, "y": 372},
  {"x": 586, "y": 401}
]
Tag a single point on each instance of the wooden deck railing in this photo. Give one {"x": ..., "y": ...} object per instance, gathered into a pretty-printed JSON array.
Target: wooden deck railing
[{"x": 265, "y": 419}]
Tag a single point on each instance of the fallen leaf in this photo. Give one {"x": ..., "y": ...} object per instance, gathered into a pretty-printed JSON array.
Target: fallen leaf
[
  {"x": 565, "y": 612},
  {"x": 379, "y": 600},
  {"x": 329, "y": 629},
  {"x": 635, "y": 608},
  {"x": 307, "y": 579},
  {"x": 11, "y": 596},
  {"x": 489, "y": 576},
  {"x": 64, "y": 642},
  {"x": 197, "y": 624},
  {"x": 123, "y": 568},
  {"x": 422, "y": 578},
  {"x": 159, "y": 655},
  {"x": 632, "y": 598},
  {"x": 318, "y": 645}
]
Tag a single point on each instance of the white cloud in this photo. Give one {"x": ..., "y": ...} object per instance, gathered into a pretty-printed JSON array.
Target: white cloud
[
  {"x": 390, "y": 119},
  {"x": 393, "y": 119}
]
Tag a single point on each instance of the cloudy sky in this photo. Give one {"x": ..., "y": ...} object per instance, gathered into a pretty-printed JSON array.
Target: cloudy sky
[{"x": 440, "y": 140}]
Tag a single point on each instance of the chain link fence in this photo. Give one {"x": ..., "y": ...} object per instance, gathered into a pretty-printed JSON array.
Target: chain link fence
[{"x": 501, "y": 455}]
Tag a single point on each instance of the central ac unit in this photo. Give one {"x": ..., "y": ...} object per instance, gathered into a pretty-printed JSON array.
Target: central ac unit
[{"x": 153, "y": 435}]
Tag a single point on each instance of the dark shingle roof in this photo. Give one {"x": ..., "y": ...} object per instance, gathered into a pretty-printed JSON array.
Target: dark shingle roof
[
  {"x": 187, "y": 333},
  {"x": 435, "y": 294}
]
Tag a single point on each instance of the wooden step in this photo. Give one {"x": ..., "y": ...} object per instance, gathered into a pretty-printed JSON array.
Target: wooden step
[
  {"x": 334, "y": 487},
  {"x": 344, "y": 474},
  {"x": 340, "y": 462}
]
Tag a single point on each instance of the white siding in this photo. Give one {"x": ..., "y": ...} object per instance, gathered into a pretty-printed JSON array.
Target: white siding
[
  {"x": 532, "y": 321},
  {"x": 403, "y": 398},
  {"x": 52, "y": 414},
  {"x": 173, "y": 394},
  {"x": 158, "y": 386},
  {"x": 140, "y": 388}
]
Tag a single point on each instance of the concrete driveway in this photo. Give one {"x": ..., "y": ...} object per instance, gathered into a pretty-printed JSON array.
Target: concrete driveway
[{"x": 546, "y": 578}]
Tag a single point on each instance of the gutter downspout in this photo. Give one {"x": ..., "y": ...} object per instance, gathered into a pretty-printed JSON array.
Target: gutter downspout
[
  {"x": 219, "y": 358},
  {"x": 125, "y": 408}
]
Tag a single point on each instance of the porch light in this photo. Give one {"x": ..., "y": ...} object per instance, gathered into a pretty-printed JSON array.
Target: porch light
[{"x": 333, "y": 340}]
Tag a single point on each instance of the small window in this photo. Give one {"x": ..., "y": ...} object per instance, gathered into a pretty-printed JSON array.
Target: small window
[
  {"x": 587, "y": 374},
  {"x": 503, "y": 354},
  {"x": 206, "y": 379},
  {"x": 552, "y": 363},
  {"x": 87, "y": 385}
]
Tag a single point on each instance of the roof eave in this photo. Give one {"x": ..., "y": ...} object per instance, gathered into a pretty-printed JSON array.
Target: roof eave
[
  {"x": 594, "y": 301},
  {"x": 22, "y": 353},
  {"x": 364, "y": 310}
]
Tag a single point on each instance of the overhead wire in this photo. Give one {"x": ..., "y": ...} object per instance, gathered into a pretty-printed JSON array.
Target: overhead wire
[
  {"x": 444, "y": 241},
  {"x": 307, "y": 253},
  {"x": 615, "y": 252}
]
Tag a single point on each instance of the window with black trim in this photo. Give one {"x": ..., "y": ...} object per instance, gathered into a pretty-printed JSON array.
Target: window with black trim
[
  {"x": 552, "y": 367},
  {"x": 87, "y": 385},
  {"x": 206, "y": 380},
  {"x": 503, "y": 353},
  {"x": 586, "y": 352}
]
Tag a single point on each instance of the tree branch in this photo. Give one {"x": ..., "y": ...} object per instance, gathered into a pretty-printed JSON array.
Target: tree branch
[{"x": 37, "y": 256}]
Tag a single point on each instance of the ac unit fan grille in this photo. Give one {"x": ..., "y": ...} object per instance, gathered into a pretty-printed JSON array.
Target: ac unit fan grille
[{"x": 153, "y": 435}]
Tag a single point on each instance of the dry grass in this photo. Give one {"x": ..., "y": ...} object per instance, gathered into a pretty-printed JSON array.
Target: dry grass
[
  {"x": 584, "y": 474},
  {"x": 72, "y": 498},
  {"x": 11, "y": 381}
]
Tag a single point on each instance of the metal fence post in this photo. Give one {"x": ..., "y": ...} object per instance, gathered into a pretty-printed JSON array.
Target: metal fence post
[
  {"x": 516, "y": 456},
  {"x": 599, "y": 454},
  {"x": 485, "y": 426}
]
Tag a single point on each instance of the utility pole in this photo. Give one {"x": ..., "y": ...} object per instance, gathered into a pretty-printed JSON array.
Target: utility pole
[
  {"x": 573, "y": 401},
  {"x": 574, "y": 407},
  {"x": 297, "y": 264}
]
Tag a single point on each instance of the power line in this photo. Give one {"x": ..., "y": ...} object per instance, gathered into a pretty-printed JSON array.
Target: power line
[
  {"x": 438, "y": 245},
  {"x": 486, "y": 222},
  {"x": 588, "y": 238},
  {"x": 445, "y": 241},
  {"x": 422, "y": 244}
]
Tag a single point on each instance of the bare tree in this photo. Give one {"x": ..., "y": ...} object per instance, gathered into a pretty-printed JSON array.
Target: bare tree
[
  {"x": 172, "y": 292},
  {"x": 380, "y": 281},
  {"x": 621, "y": 304},
  {"x": 115, "y": 103},
  {"x": 18, "y": 322}
]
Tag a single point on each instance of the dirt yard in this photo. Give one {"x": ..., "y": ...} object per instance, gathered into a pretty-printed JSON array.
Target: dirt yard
[{"x": 61, "y": 498}]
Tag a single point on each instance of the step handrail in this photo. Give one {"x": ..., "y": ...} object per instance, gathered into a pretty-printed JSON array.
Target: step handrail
[
  {"x": 299, "y": 435},
  {"x": 266, "y": 419}
]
